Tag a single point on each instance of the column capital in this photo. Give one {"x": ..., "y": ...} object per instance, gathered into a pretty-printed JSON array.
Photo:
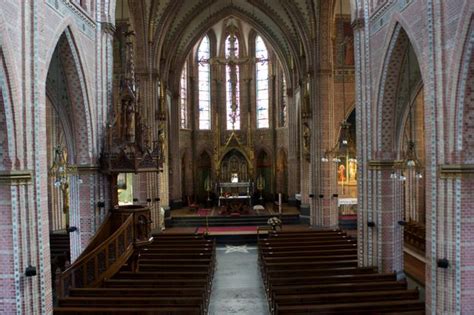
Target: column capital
[
  {"x": 14, "y": 177},
  {"x": 382, "y": 164},
  {"x": 456, "y": 170},
  {"x": 108, "y": 27},
  {"x": 87, "y": 169},
  {"x": 358, "y": 23}
]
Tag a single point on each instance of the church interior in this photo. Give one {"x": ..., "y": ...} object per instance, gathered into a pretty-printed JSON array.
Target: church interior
[{"x": 237, "y": 157}]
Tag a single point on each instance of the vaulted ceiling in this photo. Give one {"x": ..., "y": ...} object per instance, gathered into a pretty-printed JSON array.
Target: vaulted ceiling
[{"x": 168, "y": 29}]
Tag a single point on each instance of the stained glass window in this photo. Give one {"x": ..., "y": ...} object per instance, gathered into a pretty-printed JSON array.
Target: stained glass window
[
  {"x": 232, "y": 77},
  {"x": 204, "y": 84},
  {"x": 262, "y": 95},
  {"x": 184, "y": 96}
]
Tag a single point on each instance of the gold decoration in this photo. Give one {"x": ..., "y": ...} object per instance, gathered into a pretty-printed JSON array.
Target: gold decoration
[{"x": 61, "y": 171}]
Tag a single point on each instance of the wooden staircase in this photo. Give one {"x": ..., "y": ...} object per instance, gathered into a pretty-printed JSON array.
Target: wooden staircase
[
  {"x": 172, "y": 275},
  {"x": 59, "y": 245}
]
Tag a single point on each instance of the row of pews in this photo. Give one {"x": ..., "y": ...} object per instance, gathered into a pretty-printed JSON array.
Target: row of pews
[
  {"x": 171, "y": 275},
  {"x": 315, "y": 272}
]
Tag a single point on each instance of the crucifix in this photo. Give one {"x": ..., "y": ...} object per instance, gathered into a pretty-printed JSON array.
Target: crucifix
[{"x": 232, "y": 61}]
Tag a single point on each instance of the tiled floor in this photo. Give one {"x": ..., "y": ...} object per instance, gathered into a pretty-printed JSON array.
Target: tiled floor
[{"x": 237, "y": 286}]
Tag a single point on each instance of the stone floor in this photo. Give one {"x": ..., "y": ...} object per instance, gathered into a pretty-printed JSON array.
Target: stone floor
[{"x": 237, "y": 286}]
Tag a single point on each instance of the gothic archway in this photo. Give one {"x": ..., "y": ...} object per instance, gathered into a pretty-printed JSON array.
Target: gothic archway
[{"x": 69, "y": 128}]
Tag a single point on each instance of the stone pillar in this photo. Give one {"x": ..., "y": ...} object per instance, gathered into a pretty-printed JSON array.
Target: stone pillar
[
  {"x": 382, "y": 228},
  {"x": 324, "y": 137},
  {"x": 146, "y": 185},
  {"x": 364, "y": 142},
  {"x": 24, "y": 242},
  {"x": 293, "y": 150},
  {"x": 174, "y": 154}
]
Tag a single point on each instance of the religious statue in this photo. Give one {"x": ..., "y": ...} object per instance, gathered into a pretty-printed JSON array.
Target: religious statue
[
  {"x": 162, "y": 142},
  {"x": 352, "y": 170},
  {"x": 341, "y": 172},
  {"x": 129, "y": 112},
  {"x": 306, "y": 141},
  {"x": 65, "y": 192}
]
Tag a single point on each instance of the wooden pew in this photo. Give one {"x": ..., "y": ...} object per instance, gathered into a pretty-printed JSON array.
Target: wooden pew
[
  {"x": 307, "y": 273},
  {"x": 137, "y": 292},
  {"x": 172, "y": 275},
  {"x": 181, "y": 310},
  {"x": 373, "y": 307}
]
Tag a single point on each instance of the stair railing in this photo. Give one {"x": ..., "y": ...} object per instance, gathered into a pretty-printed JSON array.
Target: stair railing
[{"x": 102, "y": 262}]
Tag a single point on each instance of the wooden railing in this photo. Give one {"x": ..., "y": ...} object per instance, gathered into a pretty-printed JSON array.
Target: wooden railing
[{"x": 102, "y": 262}]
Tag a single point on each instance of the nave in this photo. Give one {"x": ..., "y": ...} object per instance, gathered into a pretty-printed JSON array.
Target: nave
[{"x": 290, "y": 271}]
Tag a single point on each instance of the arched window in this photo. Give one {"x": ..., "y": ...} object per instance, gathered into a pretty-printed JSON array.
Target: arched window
[
  {"x": 183, "y": 93},
  {"x": 204, "y": 84},
  {"x": 262, "y": 95},
  {"x": 232, "y": 77}
]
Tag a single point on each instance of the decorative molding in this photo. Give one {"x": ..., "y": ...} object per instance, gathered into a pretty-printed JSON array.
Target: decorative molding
[
  {"x": 87, "y": 169},
  {"x": 358, "y": 23},
  {"x": 381, "y": 17},
  {"x": 108, "y": 27},
  {"x": 456, "y": 170},
  {"x": 16, "y": 177},
  {"x": 84, "y": 22},
  {"x": 382, "y": 164}
]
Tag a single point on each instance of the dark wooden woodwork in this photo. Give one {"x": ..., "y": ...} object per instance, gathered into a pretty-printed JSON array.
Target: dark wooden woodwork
[{"x": 315, "y": 272}]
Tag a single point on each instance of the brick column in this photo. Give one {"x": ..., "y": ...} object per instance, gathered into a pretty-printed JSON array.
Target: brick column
[
  {"x": 22, "y": 245},
  {"x": 324, "y": 180},
  {"x": 293, "y": 150},
  {"x": 174, "y": 155}
]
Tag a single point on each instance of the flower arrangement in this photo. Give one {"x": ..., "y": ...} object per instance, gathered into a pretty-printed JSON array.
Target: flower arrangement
[{"x": 274, "y": 221}]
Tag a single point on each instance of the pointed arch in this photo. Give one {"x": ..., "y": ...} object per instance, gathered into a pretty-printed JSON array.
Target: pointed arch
[
  {"x": 80, "y": 114},
  {"x": 388, "y": 115},
  {"x": 7, "y": 140},
  {"x": 8, "y": 100},
  {"x": 464, "y": 142},
  {"x": 282, "y": 50}
]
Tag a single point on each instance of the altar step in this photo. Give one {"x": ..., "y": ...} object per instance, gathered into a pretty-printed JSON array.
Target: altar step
[{"x": 256, "y": 220}]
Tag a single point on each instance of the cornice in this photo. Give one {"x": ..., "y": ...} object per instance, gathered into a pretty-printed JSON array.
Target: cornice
[
  {"x": 456, "y": 170},
  {"x": 15, "y": 177}
]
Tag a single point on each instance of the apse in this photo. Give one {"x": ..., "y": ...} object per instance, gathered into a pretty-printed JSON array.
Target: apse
[{"x": 233, "y": 103}]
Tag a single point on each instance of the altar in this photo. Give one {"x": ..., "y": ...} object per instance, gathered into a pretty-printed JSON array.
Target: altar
[{"x": 235, "y": 192}]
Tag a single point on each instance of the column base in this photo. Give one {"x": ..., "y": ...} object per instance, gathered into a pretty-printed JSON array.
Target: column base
[
  {"x": 292, "y": 201},
  {"x": 305, "y": 214}
]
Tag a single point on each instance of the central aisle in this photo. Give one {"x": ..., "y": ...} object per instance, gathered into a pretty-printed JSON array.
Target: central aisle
[{"x": 237, "y": 287}]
